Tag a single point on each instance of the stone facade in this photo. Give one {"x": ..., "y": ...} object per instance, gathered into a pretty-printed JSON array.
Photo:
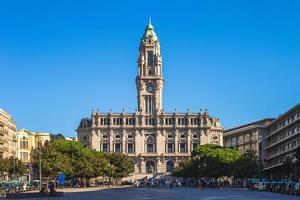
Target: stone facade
[
  {"x": 250, "y": 136},
  {"x": 27, "y": 144},
  {"x": 247, "y": 137},
  {"x": 7, "y": 135},
  {"x": 156, "y": 140}
]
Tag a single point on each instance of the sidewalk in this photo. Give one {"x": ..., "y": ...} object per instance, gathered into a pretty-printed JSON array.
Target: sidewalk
[{"x": 87, "y": 189}]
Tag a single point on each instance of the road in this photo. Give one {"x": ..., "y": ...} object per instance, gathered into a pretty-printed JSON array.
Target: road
[{"x": 182, "y": 193}]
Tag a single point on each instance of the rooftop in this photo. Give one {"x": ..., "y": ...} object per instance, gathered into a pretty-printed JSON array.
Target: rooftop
[
  {"x": 150, "y": 32},
  {"x": 255, "y": 123}
]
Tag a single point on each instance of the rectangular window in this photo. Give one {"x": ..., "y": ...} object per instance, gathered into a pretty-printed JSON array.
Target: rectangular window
[
  {"x": 118, "y": 148},
  {"x": 130, "y": 148},
  {"x": 105, "y": 147},
  {"x": 150, "y": 59},
  {"x": 24, "y": 156},
  {"x": 24, "y": 144},
  {"x": 150, "y": 148},
  {"x": 170, "y": 148},
  {"x": 195, "y": 145},
  {"x": 182, "y": 148}
]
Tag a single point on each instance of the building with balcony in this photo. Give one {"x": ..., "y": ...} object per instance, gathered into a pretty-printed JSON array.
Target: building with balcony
[
  {"x": 7, "y": 135},
  {"x": 156, "y": 140},
  {"x": 247, "y": 137},
  {"x": 282, "y": 140},
  {"x": 28, "y": 143}
]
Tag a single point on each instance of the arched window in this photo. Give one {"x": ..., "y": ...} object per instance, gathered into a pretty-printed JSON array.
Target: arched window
[
  {"x": 150, "y": 167},
  {"x": 170, "y": 166},
  {"x": 150, "y": 146}
]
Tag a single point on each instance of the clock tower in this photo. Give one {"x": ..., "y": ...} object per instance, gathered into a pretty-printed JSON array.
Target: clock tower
[{"x": 149, "y": 81}]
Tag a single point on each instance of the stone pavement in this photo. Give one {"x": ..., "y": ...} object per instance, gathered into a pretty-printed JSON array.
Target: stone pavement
[{"x": 182, "y": 193}]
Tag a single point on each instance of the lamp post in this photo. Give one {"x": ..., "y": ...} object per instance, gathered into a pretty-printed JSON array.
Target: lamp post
[
  {"x": 14, "y": 176},
  {"x": 259, "y": 156},
  {"x": 40, "y": 168}
]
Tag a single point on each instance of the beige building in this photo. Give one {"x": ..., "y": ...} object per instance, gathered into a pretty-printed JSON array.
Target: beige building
[
  {"x": 281, "y": 142},
  {"x": 247, "y": 137},
  {"x": 74, "y": 139},
  {"x": 7, "y": 135},
  {"x": 156, "y": 140},
  {"x": 27, "y": 143}
]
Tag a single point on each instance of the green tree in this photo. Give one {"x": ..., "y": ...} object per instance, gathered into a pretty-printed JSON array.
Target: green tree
[
  {"x": 247, "y": 165},
  {"x": 120, "y": 165},
  {"x": 76, "y": 161},
  {"x": 208, "y": 160},
  {"x": 185, "y": 169},
  {"x": 100, "y": 163},
  {"x": 53, "y": 162},
  {"x": 213, "y": 160},
  {"x": 12, "y": 166},
  {"x": 81, "y": 158}
]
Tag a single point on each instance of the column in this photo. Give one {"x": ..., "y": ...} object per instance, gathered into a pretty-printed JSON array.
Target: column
[
  {"x": 111, "y": 138},
  {"x": 123, "y": 141},
  {"x": 188, "y": 141},
  {"x": 176, "y": 141}
]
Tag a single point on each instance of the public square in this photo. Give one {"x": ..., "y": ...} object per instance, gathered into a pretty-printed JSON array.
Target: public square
[{"x": 175, "y": 193}]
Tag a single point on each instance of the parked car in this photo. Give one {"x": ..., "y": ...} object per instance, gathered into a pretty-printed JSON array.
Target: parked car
[
  {"x": 296, "y": 189},
  {"x": 274, "y": 185},
  {"x": 281, "y": 187},
  {"x": 288, "y": 188},
  {"x": 262, "y": 185}
]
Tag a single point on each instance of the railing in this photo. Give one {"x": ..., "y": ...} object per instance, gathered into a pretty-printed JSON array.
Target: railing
[{"x": 278, "y": 141}]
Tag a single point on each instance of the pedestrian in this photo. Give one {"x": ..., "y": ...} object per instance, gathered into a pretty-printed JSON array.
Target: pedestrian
[{"x": 51, "y": 187}]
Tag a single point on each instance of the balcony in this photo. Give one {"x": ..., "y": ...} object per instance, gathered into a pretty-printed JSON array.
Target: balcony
[
  {"x": 3, "y": 149},
  {"x": 177, "y": 154},
  {"x": 297, "y": 119},
  {"x": 149, "y": 154},
  {"x": 2, "y": 140},
  {"x": 3, "y": 131},
  {"x": 280, "y": 153},
  {"x": 278, "y": 141}
]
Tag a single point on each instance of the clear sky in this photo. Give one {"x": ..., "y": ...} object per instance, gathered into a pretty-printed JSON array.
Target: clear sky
[{"x": 240, "y": 59}]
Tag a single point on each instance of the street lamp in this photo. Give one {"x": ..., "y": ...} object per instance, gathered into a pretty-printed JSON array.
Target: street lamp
[{"x": 40, "y": 168}]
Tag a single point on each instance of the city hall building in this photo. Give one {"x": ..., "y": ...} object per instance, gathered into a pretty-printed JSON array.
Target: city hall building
[{"x": 156, "y": 140}]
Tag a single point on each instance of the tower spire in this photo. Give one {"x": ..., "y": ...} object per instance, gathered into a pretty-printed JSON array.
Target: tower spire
[{"x": 150, "y": 21}]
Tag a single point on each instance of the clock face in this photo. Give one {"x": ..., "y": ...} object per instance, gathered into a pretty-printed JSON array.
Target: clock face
[{"x": 150, "y": 88}]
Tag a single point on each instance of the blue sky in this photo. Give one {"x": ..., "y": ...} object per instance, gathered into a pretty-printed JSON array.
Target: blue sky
[{"x": 59, "y": 59}]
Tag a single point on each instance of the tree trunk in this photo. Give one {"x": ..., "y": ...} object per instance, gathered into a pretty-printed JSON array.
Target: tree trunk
[{"x": 109, "y": 181}]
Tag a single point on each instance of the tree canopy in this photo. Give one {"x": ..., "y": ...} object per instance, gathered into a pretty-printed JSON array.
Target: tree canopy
[
  {"x": 76, "y": 161},
  {"x": 12, "y": 166},
  {"x": 208, "y": 160},
  {"x": 247, "y": 166}
]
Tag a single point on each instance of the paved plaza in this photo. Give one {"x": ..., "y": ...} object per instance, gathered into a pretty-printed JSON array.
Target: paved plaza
[{"x": 182, "y": 193}]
